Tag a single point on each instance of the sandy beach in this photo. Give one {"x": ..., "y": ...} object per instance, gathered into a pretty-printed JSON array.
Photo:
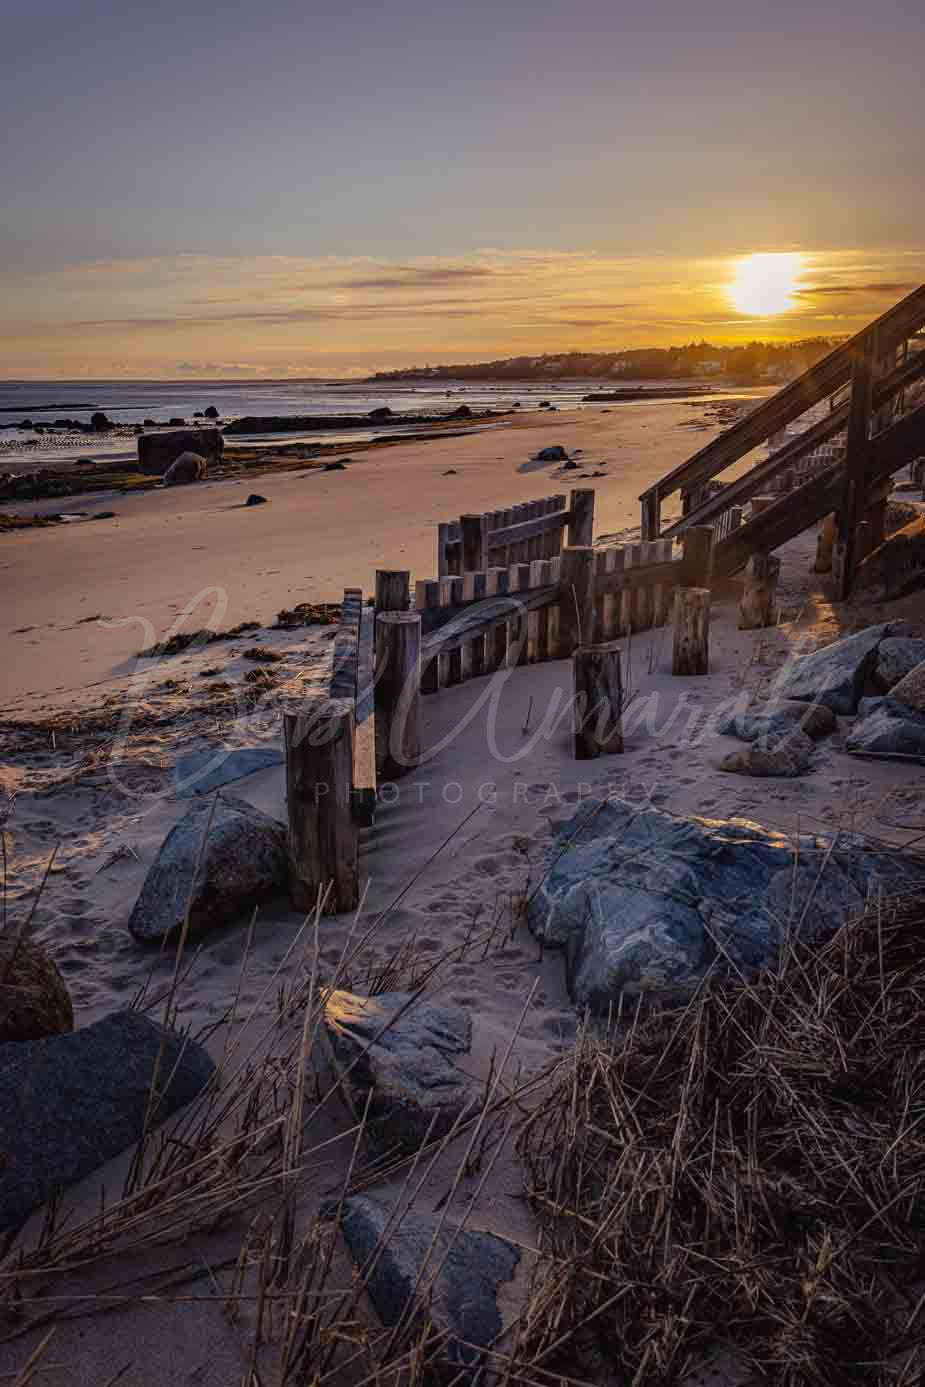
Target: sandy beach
[{"x": 456, "y": 845}]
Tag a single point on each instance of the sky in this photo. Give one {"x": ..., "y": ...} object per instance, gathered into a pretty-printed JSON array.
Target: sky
[{"x": 306, "y": 189}]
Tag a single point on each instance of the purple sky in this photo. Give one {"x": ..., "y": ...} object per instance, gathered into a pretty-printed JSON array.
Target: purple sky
[{"x": 406, "y": 132}]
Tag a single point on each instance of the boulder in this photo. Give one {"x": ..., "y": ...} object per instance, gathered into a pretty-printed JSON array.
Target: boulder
[
  {"x": 896, "y": 657},
  {"x": 99, "y": 423},
  {"x": 211, "y": 412},
  {"x": 409, "y": 1067},
  {"x": 34, "y": 1000},
  {"x": 188, "y": 467},
  {"x": 778, "y": 719},
  {"x": 176, "y": 422},
  {"x": 243, "y": 864},
  {"x": 910, "y": 690},
  {"x": 463, "y": 1271},
  {"x": 556, "y": 453},
  {"x": 255, "y": 499},
  {"x": 886, "y": 727},
  {"x": 379, "y": 416},
  {"x": 463, "y": 412},
  {"x": 836, "y": 674},
  {"x": 70, "y": 1102},
  {"x": 156, "y": 451},
  {"x": 644, "y": 902},
  {"x": 337, "y": 466},
  {"x": 788, "y": 754}
]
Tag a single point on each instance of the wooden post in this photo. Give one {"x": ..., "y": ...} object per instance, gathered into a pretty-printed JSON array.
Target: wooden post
[
  {"x": 597, "y": 706},
  {"x": 518, "y": 581},
  {"x": 862, "y": 379},
  {"x": 581, "y": 522},
  {"x": 472, "y": 530},
  {"x": 576, "y": 604},
  {"x": 322, "y": 843},
  {"x": 496, "y": 584},
  {"x": 825, "y": 543},
  {"x": 691, "y": 654},
  {"x": 538, "y": 620},
  {"x": 758, "y": 605},
  {"x": 651, "y": 515},
  {"x": 398, "y": 687},
  {"x": 697, "y": 558},
  {"x": 393, "y": 590},
  {"x": 443, "y": 537}
]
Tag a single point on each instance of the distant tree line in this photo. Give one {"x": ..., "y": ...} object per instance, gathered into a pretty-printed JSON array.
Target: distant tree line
[{"x": 753, "y": 361}]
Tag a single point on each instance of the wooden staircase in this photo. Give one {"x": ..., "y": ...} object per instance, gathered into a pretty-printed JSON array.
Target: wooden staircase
[{"x": 863, "y": 382}]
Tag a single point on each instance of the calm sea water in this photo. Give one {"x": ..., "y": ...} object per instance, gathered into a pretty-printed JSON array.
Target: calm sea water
[{"x": 132, "y": 402}]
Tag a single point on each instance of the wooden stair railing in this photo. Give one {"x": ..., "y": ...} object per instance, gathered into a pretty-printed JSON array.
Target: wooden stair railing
[{"x": 821, "y": 381}]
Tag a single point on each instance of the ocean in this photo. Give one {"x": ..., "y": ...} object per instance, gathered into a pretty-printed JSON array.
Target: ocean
[{"x": 131, "y": 402}]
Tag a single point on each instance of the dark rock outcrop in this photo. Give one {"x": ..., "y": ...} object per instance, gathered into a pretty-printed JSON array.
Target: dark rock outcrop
[
  {"x": 408, "y": 1065},
  {"x": 645, "y": 902},
  {"x": 786, "y": 754},
  {"x": 34, "y": 1000},
  {"x": 156, "y": 451},
  {"x": 461, "y": 1278},
  {"x": 255, "y": 499},
  {"x": 896, "y": 657},
  {"x": 211, "y": 412},
  {"x": 887, "y": 727},
  {"x": 555, "y": 453},
  {"x": 188, "y": 467},
  {"x": 835, "y": 675},
  {"x": 910, "y": 690},
  {"x": 70, "y": 1102},
  {"x": 243, "y": 864}
]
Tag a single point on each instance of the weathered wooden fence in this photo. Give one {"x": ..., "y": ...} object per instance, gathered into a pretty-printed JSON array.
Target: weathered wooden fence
[{"x": 536, "y": 606}]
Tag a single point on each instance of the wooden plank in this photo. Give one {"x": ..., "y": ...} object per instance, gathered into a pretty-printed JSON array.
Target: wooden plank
[
  {"x": 343, "y": 680},
  {"x": 472, "y": 532},
  {"x": 623, "y": 579},
  {"x": 526, "y": 528},
  {"x": 364, "y": 745},
  {"x": 481, "y": 616}
]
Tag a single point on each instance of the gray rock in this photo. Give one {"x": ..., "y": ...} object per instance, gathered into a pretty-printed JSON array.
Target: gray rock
[
  {"x": 201, "y": 772},
  {"x": 156, "y": 451},
  {"x": 255, "y": 499},
  {"x": 556, "y": 453},
  {"x": 644, "y": 902},
  {"x": 910, "y": 691},
  {"x": 887, "y": 727},
  {"x": 897, "y": 656},
  {"x": 461, "y": 1300},
  {"x": 409, "y": 1068},
  {"x": 70, "y": 1102},
  {"x": 243, "y": 864},
  {"x": 836, "y": 674},
  {"x": 188, "y": 467},
  {"x": 787, "y": 754},
  {"x": 779, "y": 719}
]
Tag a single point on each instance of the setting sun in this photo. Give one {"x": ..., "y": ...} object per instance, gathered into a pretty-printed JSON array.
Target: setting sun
[{"x": 765, "y": 284}]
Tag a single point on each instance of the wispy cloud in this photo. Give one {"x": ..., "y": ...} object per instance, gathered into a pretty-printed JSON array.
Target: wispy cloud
[{"x": 244, "y": 315}]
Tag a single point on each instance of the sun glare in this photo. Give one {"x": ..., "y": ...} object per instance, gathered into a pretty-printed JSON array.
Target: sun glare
[{"x": 764, "y": 284}]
